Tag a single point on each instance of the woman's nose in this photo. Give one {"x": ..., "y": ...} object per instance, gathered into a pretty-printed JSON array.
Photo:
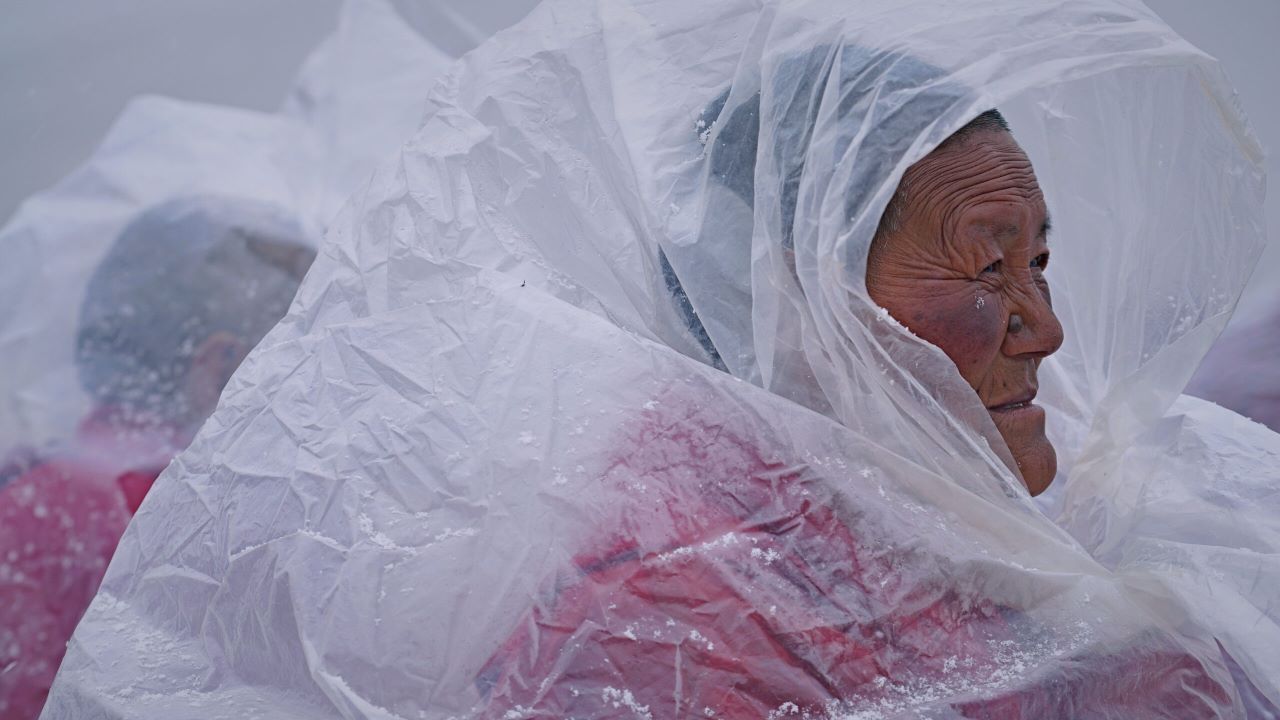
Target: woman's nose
[{"x": 1033, "y": 327}]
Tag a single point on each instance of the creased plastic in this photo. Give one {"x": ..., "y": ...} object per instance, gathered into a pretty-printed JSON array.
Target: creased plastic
[
  {"x": 190, "y": 227},
  {"x": 584, "y": 410}
]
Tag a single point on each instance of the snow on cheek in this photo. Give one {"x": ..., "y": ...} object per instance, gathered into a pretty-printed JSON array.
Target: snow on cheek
[{"x": 966, "y": 326}]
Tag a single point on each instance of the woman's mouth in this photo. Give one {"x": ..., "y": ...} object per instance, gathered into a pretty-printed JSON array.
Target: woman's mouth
[
  {"x": 1009, "y": 407},
  {"x": 1021, "y": 402}
]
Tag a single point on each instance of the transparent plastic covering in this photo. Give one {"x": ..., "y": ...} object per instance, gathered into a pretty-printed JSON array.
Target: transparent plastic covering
[
  {"x": 130, "y": 291},
  {"x": 584, "y": 410}
]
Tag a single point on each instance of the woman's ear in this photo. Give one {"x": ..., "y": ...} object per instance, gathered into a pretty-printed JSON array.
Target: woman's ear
[{"x": 213, "y": 362}]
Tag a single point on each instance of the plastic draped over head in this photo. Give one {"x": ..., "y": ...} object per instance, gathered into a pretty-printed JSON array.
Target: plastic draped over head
[
  {"x": 181, "y": 272},
  {"x": 767, "y": 231},
  {"x": 837, "y": 103},
  {"x": 732, "y": 140}
]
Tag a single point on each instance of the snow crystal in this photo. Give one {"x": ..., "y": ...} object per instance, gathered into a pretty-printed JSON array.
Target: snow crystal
[
  {"x": 768, "y": 556},
  {"x": 623, "y": 698},
  {"x": 379, "y": 538},
  {"x": 449, "y": 533},
  {"x": 786, "y": 708},
  {"x": 686, "y": 551},
  {"x": 699, "y": 637}
]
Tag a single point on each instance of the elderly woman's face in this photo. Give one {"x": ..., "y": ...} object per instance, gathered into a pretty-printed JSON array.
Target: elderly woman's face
[{"x": 964, "y": 270}]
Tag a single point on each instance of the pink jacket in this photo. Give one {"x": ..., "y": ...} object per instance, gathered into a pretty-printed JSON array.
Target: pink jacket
[
  {"x": 727, "y": 585},
  {"x": 60, "y": 520}
]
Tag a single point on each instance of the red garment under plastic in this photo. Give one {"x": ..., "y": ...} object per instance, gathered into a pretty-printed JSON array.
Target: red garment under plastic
[
  {"x": 733, "y": 588},
  {"x": 60, "y": 520}
]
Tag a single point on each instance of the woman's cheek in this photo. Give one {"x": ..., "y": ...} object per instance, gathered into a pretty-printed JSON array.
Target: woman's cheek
[{"x": 967, "y": 325}]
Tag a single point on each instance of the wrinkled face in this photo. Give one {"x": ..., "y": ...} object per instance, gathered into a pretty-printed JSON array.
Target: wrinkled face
[{"x": 963, "y": 268}]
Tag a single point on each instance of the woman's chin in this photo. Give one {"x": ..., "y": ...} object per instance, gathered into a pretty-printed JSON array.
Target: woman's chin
[
  {"x": 1038, "y": 468},
  {"x": 1023, "y": 432}
]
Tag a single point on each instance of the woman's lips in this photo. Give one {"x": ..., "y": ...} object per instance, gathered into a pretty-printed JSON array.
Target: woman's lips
[
  {"x": 1017, "y": 413},
  {"x": 1018, "y": 405},
  {"x": 1010, "y": 407}
]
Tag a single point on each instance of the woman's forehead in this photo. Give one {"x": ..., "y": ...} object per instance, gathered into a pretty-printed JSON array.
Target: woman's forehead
[
  {"x": 986, "y": 182},
  {"x": 990, "y": 163},
  {"x": 1007, "y": 218}
]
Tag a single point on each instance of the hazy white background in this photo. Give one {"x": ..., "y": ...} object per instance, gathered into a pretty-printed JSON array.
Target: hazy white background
[{"x": 67, "y": 68}]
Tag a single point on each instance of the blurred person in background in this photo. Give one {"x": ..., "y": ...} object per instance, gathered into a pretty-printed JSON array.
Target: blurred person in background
[{"x": 186, "y": 290}]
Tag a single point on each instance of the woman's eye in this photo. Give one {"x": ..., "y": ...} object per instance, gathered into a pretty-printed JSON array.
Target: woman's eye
[
  {"x": 993, "y": 267},
  {"x": 1041, "y": 261}
]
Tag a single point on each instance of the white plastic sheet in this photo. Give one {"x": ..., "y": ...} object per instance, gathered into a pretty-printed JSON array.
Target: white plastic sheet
[
  {"x": 487, "y": 466},
  {"x": 129, "y": 291}
]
